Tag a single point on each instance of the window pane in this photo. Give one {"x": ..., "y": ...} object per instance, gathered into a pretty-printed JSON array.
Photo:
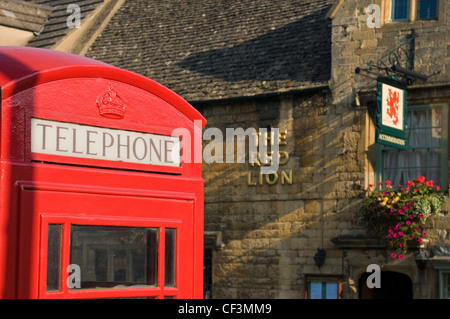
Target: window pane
[
  {"x": 54, "y": 257},
  {"x": 169, "y": 261},
  {"x": 111, "y": 256},
  {"x": 315, "y": 290},
  {"x": 446, "y": 285},
  {"x": 207, "y": 273},
  {"x": 427, "y": 148},
  {"x": 331, "y": 290},
  {"x": 427, "y": 9},
  {"x": 400, "y": 10},
  {"x": 323, "y": 289}
]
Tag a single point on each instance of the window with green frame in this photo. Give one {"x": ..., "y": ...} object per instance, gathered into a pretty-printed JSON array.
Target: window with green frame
[
  {"x": 400, "y": 10},
  {"x": 427, "y": 153}
]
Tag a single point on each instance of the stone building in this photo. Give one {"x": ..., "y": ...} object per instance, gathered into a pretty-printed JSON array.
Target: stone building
[{"x": 291, "y": 65}]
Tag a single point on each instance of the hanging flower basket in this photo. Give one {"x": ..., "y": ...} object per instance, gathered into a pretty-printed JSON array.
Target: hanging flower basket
[{"x": 400, "y": 214}]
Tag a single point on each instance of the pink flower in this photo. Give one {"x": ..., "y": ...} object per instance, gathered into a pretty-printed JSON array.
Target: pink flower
[
  {"x": 424, "y": 234},
  {"x": 401, "y": 245},
  {"x": 419, "y": 240},
  {"x": 408, "y": 222},
  {"x": 422, "y": 216},
  {"x": 400, "y": 233},
  {"x": 393, "y": 255},
  {"x": 400, "y": 256}
]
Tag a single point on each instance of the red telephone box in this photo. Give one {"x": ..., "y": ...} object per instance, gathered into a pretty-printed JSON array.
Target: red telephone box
[{"x": 97, "y": 199}]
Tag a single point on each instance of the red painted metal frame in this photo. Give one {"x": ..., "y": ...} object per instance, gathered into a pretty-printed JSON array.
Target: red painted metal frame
[{"x": 37, "y": 189}]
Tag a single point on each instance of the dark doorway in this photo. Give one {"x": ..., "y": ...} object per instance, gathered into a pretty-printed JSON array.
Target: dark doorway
[{"x": 394, "y": 285}]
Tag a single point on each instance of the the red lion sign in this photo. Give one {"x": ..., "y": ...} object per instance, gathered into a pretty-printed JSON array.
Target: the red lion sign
[{"x": 392, "y": 102}]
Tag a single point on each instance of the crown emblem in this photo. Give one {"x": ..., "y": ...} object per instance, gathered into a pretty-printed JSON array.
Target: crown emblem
[{"x": 111, "y": 104}]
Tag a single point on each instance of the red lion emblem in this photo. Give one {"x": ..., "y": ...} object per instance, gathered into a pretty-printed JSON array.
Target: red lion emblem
[{"x": 392, "y": 101}]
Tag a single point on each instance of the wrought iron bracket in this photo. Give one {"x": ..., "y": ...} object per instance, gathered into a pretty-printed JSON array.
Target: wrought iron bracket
[{"x": 398, "y": 63}]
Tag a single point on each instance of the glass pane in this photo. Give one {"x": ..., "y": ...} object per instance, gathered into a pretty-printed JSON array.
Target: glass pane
[
  {"x": 427, "y": 9},
  {"x": 111, "y": 256},
  {"x": 424, "y": 157},
  {"x": 170, "y": 253},
  {"x": 207, "y": 273},
  {"x": 446, "y": 285},
  {"x": 418, "y": 137},
  {"x": 400, "y": 10},
  {"x": 315, "y": 290},
  {"x": 331, "y": 290},
  {"x": 54, "y": 257}
]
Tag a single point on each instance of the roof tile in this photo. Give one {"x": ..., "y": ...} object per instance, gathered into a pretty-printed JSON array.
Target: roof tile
[{"x": 219, "y": 49}]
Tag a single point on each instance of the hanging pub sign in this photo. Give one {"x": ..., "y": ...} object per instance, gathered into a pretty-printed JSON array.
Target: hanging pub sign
[{"x": 391, "y": 113}]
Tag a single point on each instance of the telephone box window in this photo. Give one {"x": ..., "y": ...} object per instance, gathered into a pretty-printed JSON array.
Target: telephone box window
[
  {"x": 112, "y": 256},
  {"x": 170, "y": 253},
  {"x": 54, "y": 257}
]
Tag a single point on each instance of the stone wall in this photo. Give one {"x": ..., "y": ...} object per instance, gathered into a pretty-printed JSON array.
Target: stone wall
[{"x": 271, "y": 232}]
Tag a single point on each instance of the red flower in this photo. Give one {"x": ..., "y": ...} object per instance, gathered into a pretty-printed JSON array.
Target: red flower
[{"x": 420, "y": 179}]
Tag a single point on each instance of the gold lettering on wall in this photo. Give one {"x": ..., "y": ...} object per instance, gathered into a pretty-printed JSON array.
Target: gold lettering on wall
[{"x": 283, "y": 176}]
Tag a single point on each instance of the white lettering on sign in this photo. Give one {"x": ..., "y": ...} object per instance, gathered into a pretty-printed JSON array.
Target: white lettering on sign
[
  {"x": 84, "y": 141},
  {"x": 392, "y": 139}
]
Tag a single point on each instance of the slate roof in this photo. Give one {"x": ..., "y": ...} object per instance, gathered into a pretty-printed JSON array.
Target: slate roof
[
  {"x": 215, "y": 49},
  {"x": 23, "y": 15},
  {"x": 56, "y": 26}
]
